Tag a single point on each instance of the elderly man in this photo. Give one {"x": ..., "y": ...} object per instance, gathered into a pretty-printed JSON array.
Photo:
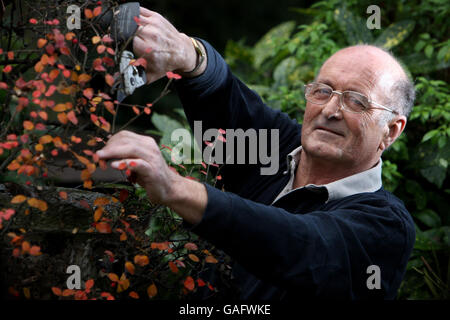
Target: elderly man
[{"x": 322, "y": 226}]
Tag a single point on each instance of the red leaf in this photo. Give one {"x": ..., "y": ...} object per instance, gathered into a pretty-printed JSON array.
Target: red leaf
[
  {"x": 7, "y": 69},
  {"x": 33, "y": 21},
  {"x": 172, "y": 75},
  {"x": 88, "y": 93},
  {"x": 189, "y": 283},
  {"x": 57, "y": 291},
  {"x": 103, "y": 227}
]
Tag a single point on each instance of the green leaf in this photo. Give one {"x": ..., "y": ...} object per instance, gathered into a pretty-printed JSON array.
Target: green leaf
[
  {"x": 271, "y": 42},
  {"x": 395, "y": 34},
  {"x": 429, "y": 218},
  {"x": 429, "y": 51},
  {"x": 429, "y": 135},
  {"x": 353, "y": 27}
]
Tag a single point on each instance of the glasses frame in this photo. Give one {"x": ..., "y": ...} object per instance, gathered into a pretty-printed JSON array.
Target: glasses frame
[{"x": 341, "y": 101}]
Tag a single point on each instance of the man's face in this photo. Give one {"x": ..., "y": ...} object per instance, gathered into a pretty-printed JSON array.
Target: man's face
[{"x": 338, "y": 135}]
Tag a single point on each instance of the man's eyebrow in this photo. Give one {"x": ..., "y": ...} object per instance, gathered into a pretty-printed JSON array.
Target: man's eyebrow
[{"x": 351, "y": 86}]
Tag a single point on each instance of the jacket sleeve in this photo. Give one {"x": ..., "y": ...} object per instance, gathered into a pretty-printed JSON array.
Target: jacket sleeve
[
  {"x": 221, "y": 101},
  {"x": 323, "y": 252}
]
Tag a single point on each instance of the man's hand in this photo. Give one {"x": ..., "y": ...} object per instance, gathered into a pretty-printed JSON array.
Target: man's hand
[
  {"x": 164, "y": 186},
  {"x": 164, "y": 48}
]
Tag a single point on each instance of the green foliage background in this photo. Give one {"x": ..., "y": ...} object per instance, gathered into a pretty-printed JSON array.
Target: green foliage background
[{"x": 415, "y": 168}]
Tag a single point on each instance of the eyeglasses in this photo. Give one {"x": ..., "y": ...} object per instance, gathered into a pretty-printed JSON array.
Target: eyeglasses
[{"x": 351, "y": 101}]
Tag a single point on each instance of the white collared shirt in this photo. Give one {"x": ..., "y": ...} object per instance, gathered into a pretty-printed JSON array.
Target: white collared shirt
[{"x": 365, "y": 181}]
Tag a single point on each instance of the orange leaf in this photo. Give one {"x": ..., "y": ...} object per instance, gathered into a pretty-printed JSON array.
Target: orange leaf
[
  {"x": 18, "y": 199},
  {"x": 88, "y": 13},
  {"x": 60, "y": 107},
  {"x": 189, "y": 283},
  {"x": 63, "y": 195},
  {"x": 130, "y": 267},
  {"x": 62, "y": 117},
  {"x": 133, "y": 295},
  {"x": 35, "y": 251},
  {"x": 41, "y": 42},
  {"x": 147, "y": 110},
  {"x": 136, "y": 110},
  {"x": 68, "y": 292},
  {"x": 123, "y": 236},
  {"x": 193, "y": 257},
  {"x": 56, "y": 291},
  {"x": 152, "y": 290},
  {"x": 113, "y": 277},
  {"x": 109, "y": 106},
  {"x": 28, "y": 125},
  {"x": 109, "y": 79},
  {"x": 89, "y": 284},
  {"x": 211, "y": 259},
  {"x": 103, "y": 227},
  {"x": 98, "y": 214},
  {"x": 36, "y": 203},
  {"x": 122, "y": 166},
  {"x": 97, "y": 11},
  {"x": 101, "y": 201},
  {"x": 141, "y": 260},
  {"x": 96, "y": 39},
  {"x": 45, "y": 139},
  {"x": 25, "y": 247},
  {"x": 84, "y": 78}
]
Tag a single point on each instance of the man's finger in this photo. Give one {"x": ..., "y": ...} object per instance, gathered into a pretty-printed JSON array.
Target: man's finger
[{"x": 145, "y": 12}]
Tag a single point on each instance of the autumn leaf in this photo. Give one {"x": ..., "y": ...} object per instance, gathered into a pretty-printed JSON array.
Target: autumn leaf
[
  {"x": 36, "y": 203},
  {"x": 96, "y": 39},
  {"x": 172, "y": 75},
  {"x": 101, "y": 201},
  {"x": 193, "y": 257},
  {"x": 72, "y": 117},
  {"x": 109, "y": 79},
  {"x": 88, "y": 14},
  {"x": 130, "y": 267},
  {"x": 83, "y": 78},
  {"x": 133, "y": 295},
  {"x": 88, "y": 93},
  {"x": 103, "y": 227},
  {"x": 28, "y": 125},
  {"x": 100, "y": 49},
  {"x": 41, "y": 43},
  {"x": 63, "y": 195},
  {"x": 191, "y": 246},
  {"x": 98, "y": 214},
  {"x": 189, "y": 283},
  {"x": 25, "y": 247},
  {"x": 35, "y": 251},
  {"x": 33, "y": 21},
  {"x": 141, "y": 260},
  {"x": 18, "y": 199},
  {"x": 211, "y": 259},
  {"x": 97, "y": 11},
  {"x": 173, "y": 267},
  {"x": 56, "y": 291},
  {"x": 152, "y": 290},
  {"x": 113, "y": 277},
  {"x": 88, "y": 285}
]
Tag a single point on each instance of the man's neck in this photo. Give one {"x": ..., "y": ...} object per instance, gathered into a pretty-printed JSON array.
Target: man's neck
[{"x": 320, "y": 172}]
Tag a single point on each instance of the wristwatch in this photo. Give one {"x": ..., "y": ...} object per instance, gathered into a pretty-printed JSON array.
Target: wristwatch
[{"x": 200, "y": 56}]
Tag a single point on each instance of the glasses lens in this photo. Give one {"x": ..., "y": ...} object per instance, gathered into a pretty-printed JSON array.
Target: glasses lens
[
  {"x": 355, "y": 102},
  {"x": 318, "y": 93}
]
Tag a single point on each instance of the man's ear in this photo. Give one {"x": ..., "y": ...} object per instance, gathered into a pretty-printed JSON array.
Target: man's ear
[{"x": 394, "y": 128}]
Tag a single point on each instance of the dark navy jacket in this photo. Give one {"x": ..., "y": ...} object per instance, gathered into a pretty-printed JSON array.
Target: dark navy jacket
[{"x": 303, "y": 244}]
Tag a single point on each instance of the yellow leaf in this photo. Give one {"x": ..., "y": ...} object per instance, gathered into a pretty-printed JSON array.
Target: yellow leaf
[
  {"x": 19, "y": 199},
  {"x": 96, "y": 39},
  {"x": 152, "y": 290},
  {"x": 113, "y": 277}
]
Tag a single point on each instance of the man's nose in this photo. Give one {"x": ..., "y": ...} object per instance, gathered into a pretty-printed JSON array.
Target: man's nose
[{"x": 333, "y": 108}]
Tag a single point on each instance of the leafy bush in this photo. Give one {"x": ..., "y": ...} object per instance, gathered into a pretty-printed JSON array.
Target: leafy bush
[{"x": 416, "y": 166}]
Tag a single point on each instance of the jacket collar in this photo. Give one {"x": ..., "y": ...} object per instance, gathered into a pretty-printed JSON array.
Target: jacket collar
[{"x": 365, "y": 181}]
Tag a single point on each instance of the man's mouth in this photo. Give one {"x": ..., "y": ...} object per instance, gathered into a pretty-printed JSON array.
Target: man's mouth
[{"x": 329, "y": 130}]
